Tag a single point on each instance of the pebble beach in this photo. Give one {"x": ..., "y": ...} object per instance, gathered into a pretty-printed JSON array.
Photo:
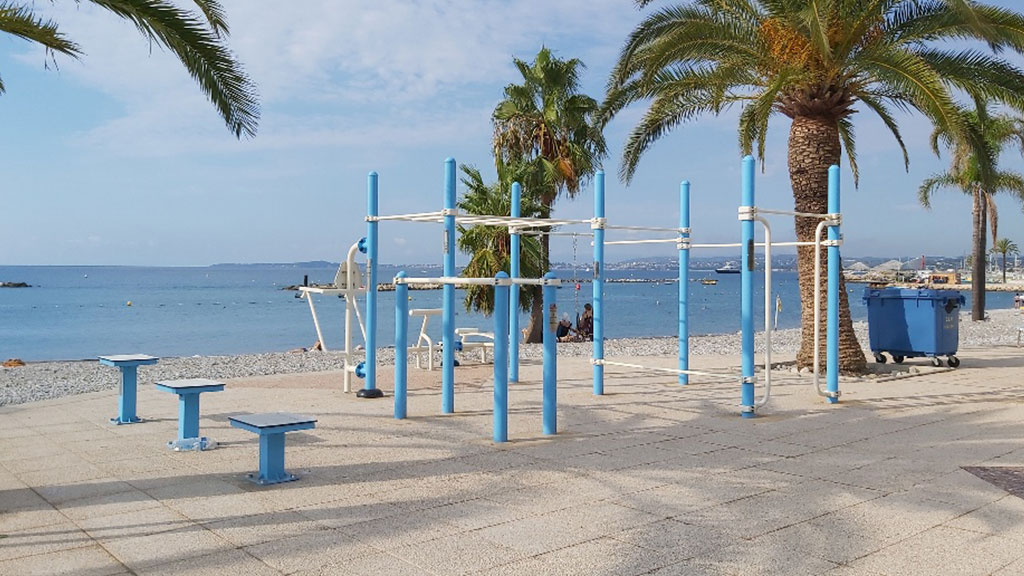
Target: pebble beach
[{"x": 47, "y": 380}]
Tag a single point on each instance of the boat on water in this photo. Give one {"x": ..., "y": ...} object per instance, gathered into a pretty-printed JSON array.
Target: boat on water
[
  {"x": 729, "y": 268},
  {"x": 708, "y": 281}
]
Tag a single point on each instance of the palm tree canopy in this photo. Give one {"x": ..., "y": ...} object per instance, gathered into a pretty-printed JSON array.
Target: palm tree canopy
[
  {"x": 1005, "y": 246},
  {"x": 547, "y": 122},
  {"x": 197, "y": 39},
  {"x": 821, "y": 59},
  {"x": 990, "y": 132}
]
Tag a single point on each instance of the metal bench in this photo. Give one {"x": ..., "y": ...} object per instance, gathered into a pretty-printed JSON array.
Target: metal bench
[
  {"x": 128, "y": 365},
  {"x": 271, "y": 428},
  {"x": 188, "y": 392}
]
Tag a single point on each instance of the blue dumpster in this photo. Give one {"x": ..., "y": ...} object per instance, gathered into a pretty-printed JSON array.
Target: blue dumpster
[{"x": 908, "y": 323}]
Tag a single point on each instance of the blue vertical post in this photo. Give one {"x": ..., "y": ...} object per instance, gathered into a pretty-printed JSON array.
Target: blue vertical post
[
  {"x": 550, "y": 410},
  {"x": 370, "y": 387},
  {"x": 401, "y": 345},
  {"x": 747, "y": 293},
  {"x": 684, "y": 283},
  {"x": 272, "y": 458},
  {"x": 448, "y": 305},
  {"x": 501, "y": 353},
  {"x": 832, "y": 313},
  {"x": 598, "y": 284},
  {"x": 513, "y": 306},
  {"x": 188, "y": 416},
  {"x": 129, "y": 394}
]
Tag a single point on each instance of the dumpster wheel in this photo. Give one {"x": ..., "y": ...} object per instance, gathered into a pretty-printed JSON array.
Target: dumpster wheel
[
  {"x": 880, "y": 358},
  {"x": 953, "y": 361},
  {"x": 897, "y": 358},
  {"x": 936, "y": 361}
]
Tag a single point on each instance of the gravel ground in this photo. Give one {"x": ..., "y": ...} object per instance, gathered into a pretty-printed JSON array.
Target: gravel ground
[{"x": 44, "y": 380}]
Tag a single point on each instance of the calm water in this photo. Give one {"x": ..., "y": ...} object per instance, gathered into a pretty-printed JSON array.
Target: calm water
[{"x": 81, "y": 312}]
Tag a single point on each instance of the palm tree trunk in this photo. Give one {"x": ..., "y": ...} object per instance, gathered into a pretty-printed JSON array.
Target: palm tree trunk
[
  {"x": 535, "y": 332},
  {"x": 978, "y": 266},
  {"x": 813, "y": 147},
  {"x": 1004, "y": 267}
]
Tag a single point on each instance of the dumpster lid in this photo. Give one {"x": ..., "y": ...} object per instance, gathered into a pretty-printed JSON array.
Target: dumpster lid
[{"x": 913, "y": 294}]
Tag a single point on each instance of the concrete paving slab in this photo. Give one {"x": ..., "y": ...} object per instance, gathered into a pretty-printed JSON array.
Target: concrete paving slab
[
  {"x": 943, "y": 550},
  {"x": 87, "y": 561},
  {"x": 461, "y": 553},
  {"x": 311, "y": 552},
  {"x": 144, "y": 552},
  {"x": 606, "y": 556},
  {"x": 216, "y": 564},
  {"x": 43, "y": 540}
]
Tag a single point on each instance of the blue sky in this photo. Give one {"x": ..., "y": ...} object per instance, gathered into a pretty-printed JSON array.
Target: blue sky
[{"x": 118, "y": 158}]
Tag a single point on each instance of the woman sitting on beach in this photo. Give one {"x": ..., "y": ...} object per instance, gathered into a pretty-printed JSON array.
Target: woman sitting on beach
[
  {"x": 564, "y": 330},
  {"x": 585, "y": 324}
]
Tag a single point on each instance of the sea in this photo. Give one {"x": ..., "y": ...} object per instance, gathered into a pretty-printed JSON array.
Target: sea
[{"x": 80, "y": 312}]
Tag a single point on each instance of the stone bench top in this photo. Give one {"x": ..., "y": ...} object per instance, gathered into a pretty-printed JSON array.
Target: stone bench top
[
  {"x": 189, "y": 383},
  {"x": 273, "y": 420},
  {"x": 137, "y": 358}
]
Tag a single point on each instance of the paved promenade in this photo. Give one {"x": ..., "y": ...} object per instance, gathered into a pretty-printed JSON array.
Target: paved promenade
[{"x": 651, "y": 478}]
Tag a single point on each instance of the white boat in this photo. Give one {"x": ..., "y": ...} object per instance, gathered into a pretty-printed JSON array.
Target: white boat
[{"x": 729, "y": 268}]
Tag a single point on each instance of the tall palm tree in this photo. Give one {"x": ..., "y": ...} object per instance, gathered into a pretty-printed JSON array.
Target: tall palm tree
[
  {"x": 966, "y": 175},
  {"x": 815, "y": 62},
  {"x": 1005, "y": 247},
  {"x": 196, "y": 38},
  {"x": 546, "y": 125},
  {"x": 489, "y": 247}
]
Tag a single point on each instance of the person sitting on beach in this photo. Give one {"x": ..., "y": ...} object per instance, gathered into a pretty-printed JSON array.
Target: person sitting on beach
[
  {"x": 585, "y": 324},
  {"x": 564, "y": 330}
]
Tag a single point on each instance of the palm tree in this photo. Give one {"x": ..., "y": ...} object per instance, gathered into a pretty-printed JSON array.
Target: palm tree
[
  {"x": 816, "y": 63},
  {"x": 489, "y": 246},
  {"x": 966, "y": 175},
  {"x": 197, "y": 39},
  {"x": 1005, "y": 247},
  {"x": 547, "y": 127}
]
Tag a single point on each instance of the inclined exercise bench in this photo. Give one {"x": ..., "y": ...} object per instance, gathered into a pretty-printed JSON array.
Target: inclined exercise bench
[{"x": 271, "y": 428}]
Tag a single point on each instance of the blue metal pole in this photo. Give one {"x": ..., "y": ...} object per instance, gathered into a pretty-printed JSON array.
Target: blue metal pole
[
  {"x": 684, "y": 283},
  {"x": 513, "y": 307},
  {"x": 129, "y": 394},
  {"x": 501, "y": 358},
  {"x": 550, "y": 410},
  {"x": 747, "y": 293},
  {"x": 188, "y": 416},
  {"x": 832, "y": 313},
  {"x": 598, "y": 284},
  {"x": 401, "y": 346},
  {"x": 448, "y": 305},
  {"x": 370, "y": 387}
]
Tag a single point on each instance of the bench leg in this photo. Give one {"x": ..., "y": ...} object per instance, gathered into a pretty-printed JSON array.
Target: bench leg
[
  {"x": 188, "y": 426},
  {"x": 127, "y": 400},
  {"x": 272, "y": 460}
]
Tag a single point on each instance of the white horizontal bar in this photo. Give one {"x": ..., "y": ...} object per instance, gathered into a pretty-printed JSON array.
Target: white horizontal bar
[
  {"x": 413, "y": 217},
  {"x": 461, "y": 281},
  {"x": 644, "y": 228},
  {"x": 666, "y": 370},
  {"x": 791, "y": 213},
  {"x": 654, "y": 241},
  {"x": 736, "y": 245}
]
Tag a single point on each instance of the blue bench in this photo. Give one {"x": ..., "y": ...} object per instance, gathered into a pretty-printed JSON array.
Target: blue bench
[
  {"x": 271, "y": 428},
  {"x": 188, "y": 392},
  {"x": 128, "y": 364}
]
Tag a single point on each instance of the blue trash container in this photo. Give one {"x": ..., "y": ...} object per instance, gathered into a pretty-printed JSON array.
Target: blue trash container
[{"x": 908, "y": 323}]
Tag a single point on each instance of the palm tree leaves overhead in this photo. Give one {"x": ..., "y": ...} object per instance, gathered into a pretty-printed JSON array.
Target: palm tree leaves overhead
[
  {"x": 547, "y": 122},
  {"x": 196, "y": 39},
  {"x": 826, "y": 58}
]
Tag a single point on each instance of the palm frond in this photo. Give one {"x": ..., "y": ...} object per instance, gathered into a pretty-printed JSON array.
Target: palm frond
[{"x": 199, "y": 48}]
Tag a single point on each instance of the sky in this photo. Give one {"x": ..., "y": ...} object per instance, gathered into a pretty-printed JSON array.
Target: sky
[{"x": 118, "y": 159}]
